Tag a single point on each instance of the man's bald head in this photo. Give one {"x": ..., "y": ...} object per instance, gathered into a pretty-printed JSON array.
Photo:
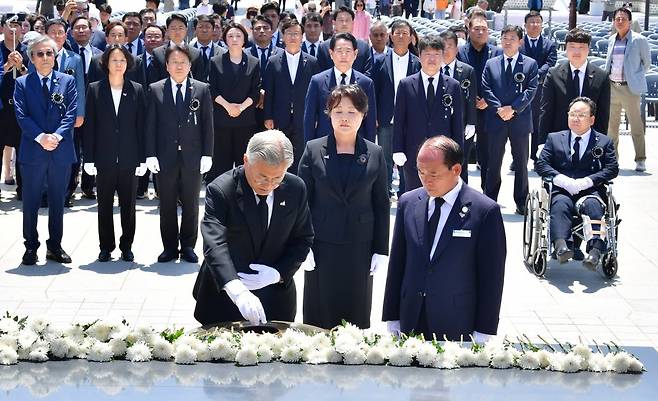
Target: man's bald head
[{"x": 439, "y": 165}]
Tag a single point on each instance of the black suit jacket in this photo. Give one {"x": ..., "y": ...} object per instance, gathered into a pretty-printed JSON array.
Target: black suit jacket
[
  {"x": 282, "y": 97},
  {"x": 559, "y": 91},
  {"x": 233, "y": 239},
  {"x": 160, "y": 67},
  {"x": 382, "y": 76},
  {"x": 360, "y": 211},
  {"x": 112, "y": 139},
  {"x": 165, "y": 133},
  {"x": 363, "y": 62},
  {"x": 465, "y": 74},
  {"x": 235, "y": 88},
  {"x": 96, "y": 72}
]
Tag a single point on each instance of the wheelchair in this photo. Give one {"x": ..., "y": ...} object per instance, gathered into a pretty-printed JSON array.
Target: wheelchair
[{"x": 537, "y": 246}]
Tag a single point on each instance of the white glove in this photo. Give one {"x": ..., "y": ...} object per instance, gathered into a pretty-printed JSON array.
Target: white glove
[
  {"x": 309, "y": 264},
  {"x": 248, "y": 304},
  {"x": 584, "y": 183},
  {"x": 567, "y": 183},
  {"x": 378, "y": 262},
  {"x": 206, "y": 164},
  {"x": 140, "y": 170},
  {"x": 393, "y": 327},
  {"x": 266, "y": 276},
  {"x": 469, "y": 131},
  {"x": 90, "y": 168},
  {"x": 481, "y": 338},
  {"x": 399, "y": 158},
  {"x": 152, "y": 164}
]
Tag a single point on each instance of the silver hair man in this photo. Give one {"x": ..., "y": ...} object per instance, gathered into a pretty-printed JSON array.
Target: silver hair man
[
  {"x": 38, "y": 41},
  {"x": 271, "y": 147}
]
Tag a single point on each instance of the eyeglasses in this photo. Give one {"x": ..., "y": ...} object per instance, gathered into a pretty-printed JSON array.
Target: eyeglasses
[
  {"x": 275, "y": 182},
  {"x": 293, "y": 34},
  {"x": 263, "y": 28},
  {"x": 577, "y": 116},
  {"x": 47, "y": 53}
]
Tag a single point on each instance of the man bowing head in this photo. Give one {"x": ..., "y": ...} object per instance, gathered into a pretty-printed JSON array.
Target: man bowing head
[
  {"x": 447, "y": 260},
  {"x": 256, "y": 233}
]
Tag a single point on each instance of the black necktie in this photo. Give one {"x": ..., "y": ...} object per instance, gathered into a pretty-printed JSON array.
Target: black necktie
[
  {"x": 180, "y": 106},
  {"x": 430, "y": 93},
  {"x": 433, "y": 222},
  {"x": 56, "y": 68},
  {"x": 575, "y": 157},
  {"x": 343, "y": 78},
  {"x": 313, "y": 49},
  {"x": 576, "y": 82},
  {"x": 534, "y": 43},
  {"x": 262, "y": 211},
  {"x": 46, "y": 90},
  {"x": 204, "y": 49},
  {"x": 84, "y": 61},
  {"x": 508, "y": 70},
  {"x": 263, "y": 58},
  {"x": 446, "y": 70},
  {"x": 130, "y": 47}
]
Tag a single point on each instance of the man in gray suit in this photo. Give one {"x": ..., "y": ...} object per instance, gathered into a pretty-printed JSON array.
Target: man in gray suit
[{"x": 627, "y": 62}]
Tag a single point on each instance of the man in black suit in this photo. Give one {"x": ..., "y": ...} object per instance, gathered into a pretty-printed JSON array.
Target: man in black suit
[
  {"x": 343, "y": 23},
  {"x": 179, "y": 146},
  {"x": 256, "y": 220},
  {"x": 262, "y": 48},
  {"x": 312, "y": 23},
  {"x": 579, "y": 161},
  {"x": 134, "y": 43},
  {"x": 560, "y": 89},
  {"x": 271, "y": 11},
  {"x": 465, "y": 75},
  {"x": 543, "y": 51},
  {"x": 204, "y": 27},
  {"x": 117, "y": 34},
  {"x": 285, "y": 81}
]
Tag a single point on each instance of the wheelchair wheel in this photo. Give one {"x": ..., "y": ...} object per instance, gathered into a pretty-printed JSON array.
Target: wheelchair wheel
[
  {"x": 530, "y": 231},
  {"x": 539, "y": 263},
  {"x": 609, "y": 265}
]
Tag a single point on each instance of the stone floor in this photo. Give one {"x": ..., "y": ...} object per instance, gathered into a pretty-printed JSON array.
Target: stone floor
[{"x": 570, "y": 302}]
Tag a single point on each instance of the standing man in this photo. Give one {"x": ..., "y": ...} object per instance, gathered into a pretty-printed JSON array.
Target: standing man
[
  {"x": 81, "y": 32},
  {"x": 627, "y": 62},
  {"x": 343, "y": 52},
  {"x": 116, "y": 33},
  {"x": 176, "y": 32},
  {"x": 427, "y": 104},
  {"x": 447, "y": 263},
  {"x": 256, "y": 233},
  {"x": 272, "y": 12},
  {"x": 543, "y": 51},
  {"x": 509, "y": 83},
  {"x": 465, "y": 75},
  {"x": 378, "y": 39},
  {"x": 388, "y": 71},
  {"x": 312, "y": 23},
  {"x": 204, "y": 27},
  {"x": 570, "y": 80},
  {"x": 179, "y": 146},
  {"x": 343, "y": 23},
  {"x": 46, "y": 108},
  {"x": 285, "y": 81},
  {"x": 476, "y": 53},
  {"x": 411, "y": 8},
  {"x": 134, "y": 43}
]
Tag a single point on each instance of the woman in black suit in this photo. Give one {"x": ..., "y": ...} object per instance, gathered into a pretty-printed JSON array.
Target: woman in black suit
[
  {"x": 114, "y": 147},
  {"x": 345, "y": 177},
  {"x": 235, "y": 89}
]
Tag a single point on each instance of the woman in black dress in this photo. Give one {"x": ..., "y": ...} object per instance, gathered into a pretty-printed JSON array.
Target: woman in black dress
[{"x": 345, "y": 176}]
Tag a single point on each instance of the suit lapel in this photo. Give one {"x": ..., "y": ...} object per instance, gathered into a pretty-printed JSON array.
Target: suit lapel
[
  {"x": 246, "y": 201},
  {"x": 420, "y": 217},
  {"x": 107, "y": 99},
  {"x": 286, "y": 69},
  {"x": 566, "y": 145},
  {"x": 589, "y": 76},
  {"x": 168, "y": 97},
  {"x": 422, "y": 95},
  {"x": 388, "y": 60},
  {"x": 359, "y": 166}
]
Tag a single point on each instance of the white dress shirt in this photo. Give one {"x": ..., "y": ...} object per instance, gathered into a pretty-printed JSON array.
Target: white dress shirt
[
  {"x": 135, "y": 46},
  {"x": 449, "y": 200},
  {"x": 88, "y": 56},
  {"x": 535, "y": 44},
  {"x": 426, "y": 81},
  {"x": 174, "y": 88},
  {"x": 148, "y": 59},
  {"x": 116, "y": 98},
  {"x": 59, "y": 57},
  {"x": 514, "y": 60},
  {"x": 583, "y": 143},
  {"x": 339, "y": 76},
  {"x": 581, "y": 75},
  {"x": 270, "y": 204},
  {"x": 308, "y": 46},
  {"x": 400, "y": 67},
  {"x": 451, "y": 68},
  {"x": 293, "y": 64}
]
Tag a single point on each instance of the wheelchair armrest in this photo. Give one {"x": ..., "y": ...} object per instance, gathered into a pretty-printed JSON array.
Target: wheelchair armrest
[{"x": 547, "y": 180}]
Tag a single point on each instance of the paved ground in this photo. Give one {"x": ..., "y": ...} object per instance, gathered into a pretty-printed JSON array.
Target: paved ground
[{"x": 570, "y": 302}]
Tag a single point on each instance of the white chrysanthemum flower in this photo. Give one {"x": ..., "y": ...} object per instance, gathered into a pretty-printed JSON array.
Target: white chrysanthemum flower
[
  {"x": 571, "y": 363},
  {"x": 345, "y": 343},
  {"x": 59, "y": 347},
  {"x": 26, "y": 338},
  {"x": 376, "y": 356},
  {"x": 400, "y": 357},
  {"x": 482, "y": 359},
  {"x": 503, "y": 359},
  {"x": 250, "y": 340},
  {"x": 350, "y": 330},
  {"x": 332, "y": 356},
  {"x": 184, "y": 354},
  {"x": 74, "y": 331},
  {"x": 138, "y": 352},
  {"x": 556, "y": 361},
  {"x": 163, "y": 350},
  {"x": 584, "y": 352},
  {"x": 320, "y": 341},
  {"x": 101, "y": 330},
  {"x": 120, "y": 332},
  {"x": 39, "y": 354},
  {"x": 119, "y": 347},
  {"x": 268, "y": 339},
  {"x": 620, "y": 362},
  {"x": 636, "y": 366},
  {"x": 9, "y": 326},
  {"x": 494, "y": 346},
  {"x": 598, "y": 363},
  {"x": 412, "y": 344},
  {"x": 221, "y": 349},
  {"x": 426, "y": 354},
  {"x": 291, "y": 354},
  {"x": 529, "y": 361},
  {"x": 9, "y": 340},
  {"x": 37, "y": 324},
  {"x": 51, "y": 332},
  {"x": 465, "y": 358},
  {"x": 293, "y": 337},
  {"x": 100, "y": 352},
  {"x": 247, "y": 356},
  {"x": 202, "y": 350},
  {"x": 8, "y": 356},
  {"x": 265, "y": 354},
  {"x": 355, "y": 356},
  {"x": 316, "y": 357},
  {"x": 444, "y": 361},
  {"x": 544, "y": 358}
]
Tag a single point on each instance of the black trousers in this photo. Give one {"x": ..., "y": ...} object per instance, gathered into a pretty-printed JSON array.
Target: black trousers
[
  {"x": 143, "y": 183},
  {"x": 87, "y": 181},
  {"x": 174, "y": 183},
  {"x": 124, "y": 182},
  {"x": 296, "y": 136},
  {"x": 497, "y": 142},
  {"x": 563, "y": 208},
  {"x": 534, "y": 137},
  {"x": 482, "y": 147},
  {"x": 468, "y": 145},
  {"x": 229, "y": 149}
]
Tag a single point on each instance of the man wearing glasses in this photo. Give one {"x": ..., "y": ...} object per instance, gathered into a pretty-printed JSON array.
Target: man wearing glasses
[{"x": 47, "y": 148}]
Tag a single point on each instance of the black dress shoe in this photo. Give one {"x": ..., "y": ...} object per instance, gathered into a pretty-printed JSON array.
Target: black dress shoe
[
  {"x": 104, "y": 256},
  {"x": 142, "y": 195},
  {"x": 68, "y": 202},
  {"x": 127, "y": 256},
  {"x": 188, "y": 255},
  {"x": 520, "y": 210},
  {"x": 168, "y": 255},
  {"x": 89, "y": 195},
  {"x": 19, "y": 196},
  {"x": 58, "y": 256},
  {"x": 10, "y": 181},
  {"x": 592, "y": 259},
  {"x": 578, "y": 255},
  {"x": 562, "y": 251},
  {"x": 30, "y": 257}
]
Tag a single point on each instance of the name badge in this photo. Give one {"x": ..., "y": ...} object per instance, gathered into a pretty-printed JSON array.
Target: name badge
[{"x": 461, "y": 233}]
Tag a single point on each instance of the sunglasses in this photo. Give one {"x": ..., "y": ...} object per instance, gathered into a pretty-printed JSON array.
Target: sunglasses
[{"x": 47, "y": 53}]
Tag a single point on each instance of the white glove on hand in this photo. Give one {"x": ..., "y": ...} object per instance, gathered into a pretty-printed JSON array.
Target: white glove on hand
[
  {"x": 266, "y": 276},
  {"x": 481, "y": 338},
  {"x": 378, "y": 262},
  {"x": 141, "y": 169},
  {"x": 206, "y": 164},
  {"x": 567, "y": 183},
  {"x": 399, "y": 158},
  {"x": 393, "y": 327},
  {"x": 248, "y": 304},
  {"x": 469, "y": 131},
  {"x": 90, "y": 168},
  {"x": 309, "y": 264},
  {"x": 153, "y": 165},
  {"x": 584, "y": 183}
]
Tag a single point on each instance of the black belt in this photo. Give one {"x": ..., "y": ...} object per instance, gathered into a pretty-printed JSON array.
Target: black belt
[{"x": 619, "y": 83}]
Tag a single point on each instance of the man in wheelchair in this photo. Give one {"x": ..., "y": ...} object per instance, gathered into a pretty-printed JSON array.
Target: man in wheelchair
[{"x": 580, "y": 161}]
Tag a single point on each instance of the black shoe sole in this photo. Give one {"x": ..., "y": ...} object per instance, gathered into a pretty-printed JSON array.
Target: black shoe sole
[{"x": 564, "y": 258}]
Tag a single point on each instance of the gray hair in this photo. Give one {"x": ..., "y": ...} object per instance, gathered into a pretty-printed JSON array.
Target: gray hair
[
  {"x": 42, "y": 39},
  {"x": 272, "y": 147},
  {"x": 378, "y": 24}
]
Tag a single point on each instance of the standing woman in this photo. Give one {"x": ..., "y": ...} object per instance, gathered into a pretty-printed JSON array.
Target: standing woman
[
  {"x": 235, "y": 89},
  {"x": 114, "y": 147},
  {"x": 345, "y": 177},
  {"x": 361, "y": 28}
]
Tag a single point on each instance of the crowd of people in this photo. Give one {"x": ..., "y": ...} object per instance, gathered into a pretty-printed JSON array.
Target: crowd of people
[{"x": 296, "y": 133}]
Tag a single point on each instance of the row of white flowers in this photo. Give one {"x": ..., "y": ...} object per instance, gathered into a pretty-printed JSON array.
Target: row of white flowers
[{"x": 35, "y": 339}]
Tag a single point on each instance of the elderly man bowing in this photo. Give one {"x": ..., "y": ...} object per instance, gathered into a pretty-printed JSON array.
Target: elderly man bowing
[{"x": 256, "y": 233}]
